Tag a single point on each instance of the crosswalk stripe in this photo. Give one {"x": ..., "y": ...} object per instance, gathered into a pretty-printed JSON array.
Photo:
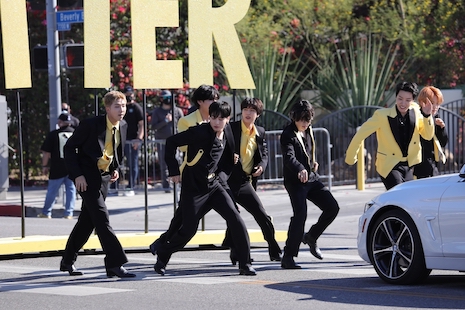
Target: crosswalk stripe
[
  {"x": 62, "y": 290},
  {"x": 345, "y": 264}
]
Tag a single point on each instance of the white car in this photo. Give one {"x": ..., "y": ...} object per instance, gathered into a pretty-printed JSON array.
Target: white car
[{"x": 415, "y": 227}]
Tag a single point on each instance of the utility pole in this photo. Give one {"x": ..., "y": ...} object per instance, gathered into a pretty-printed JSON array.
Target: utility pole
[{"x": 53, "y": 54}]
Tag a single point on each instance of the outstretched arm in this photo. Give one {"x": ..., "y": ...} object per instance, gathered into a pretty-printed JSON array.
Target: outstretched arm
[{"x": 367, "y": 128}]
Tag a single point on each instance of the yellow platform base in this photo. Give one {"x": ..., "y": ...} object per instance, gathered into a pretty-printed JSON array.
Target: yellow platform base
[{"x": 38, "y": 244}]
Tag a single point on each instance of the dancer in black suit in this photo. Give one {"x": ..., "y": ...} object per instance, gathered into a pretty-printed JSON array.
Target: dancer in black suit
[
  {"x": 210, "y": 150},
  {"x": 302, "y": 182},
  {"x": 92, "y": 163},
  {"x": 253, "y": 158}
]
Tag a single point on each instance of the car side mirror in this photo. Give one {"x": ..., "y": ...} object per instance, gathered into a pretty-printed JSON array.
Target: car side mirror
[{"x": 462, "y": 172}]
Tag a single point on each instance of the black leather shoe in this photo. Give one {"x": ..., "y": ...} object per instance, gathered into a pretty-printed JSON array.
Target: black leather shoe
[
  {"x": 275, "y": 257},
  {"x": 312, "y": 245},
  {"x": 154, "y": 246},
  {"x": 70, "y": 268},
  {"x": 288, "y": 262},
  {"x": 247, "y": 270},
  {"x": 119, "y": 272},
  {"x": 159, "y": 268}
]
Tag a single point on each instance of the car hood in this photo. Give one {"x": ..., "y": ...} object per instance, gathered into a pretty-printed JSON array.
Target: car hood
[
  {"x": 427, "y": 182},
  {"x": 428, "y": 188}
]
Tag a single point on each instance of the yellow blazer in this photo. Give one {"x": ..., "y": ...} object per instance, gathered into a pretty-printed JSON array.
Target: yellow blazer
[
  {"x": 193, "y": 119},
  {"x": 438, "y": 152},
  {"x": 389, "y": 153}
]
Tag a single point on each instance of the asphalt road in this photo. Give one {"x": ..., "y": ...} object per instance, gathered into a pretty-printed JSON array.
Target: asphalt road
[{"x": 203, "y": 278}]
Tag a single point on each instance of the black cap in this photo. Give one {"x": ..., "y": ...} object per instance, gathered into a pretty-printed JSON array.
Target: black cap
[
  {"x": 65, "y": 117},
  {"x": 128, "y": 89}
]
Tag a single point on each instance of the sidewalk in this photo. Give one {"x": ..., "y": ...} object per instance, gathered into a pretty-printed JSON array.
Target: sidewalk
[{"x": 137, "y": 226}]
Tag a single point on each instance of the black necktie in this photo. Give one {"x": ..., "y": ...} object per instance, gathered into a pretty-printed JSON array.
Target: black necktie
[{"x": 113, "y": 142}]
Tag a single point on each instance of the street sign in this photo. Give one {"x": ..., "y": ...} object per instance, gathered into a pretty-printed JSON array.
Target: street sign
[
  {"x": 73, "y": 16},
  {"x": 63, "y": 26},
  {"x": 65, "y": 18}
]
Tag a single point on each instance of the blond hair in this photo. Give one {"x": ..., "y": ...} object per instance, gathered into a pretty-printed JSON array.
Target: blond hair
[
  {"x": 112, "y": 96},
  {"x": 429, "y": 92}
]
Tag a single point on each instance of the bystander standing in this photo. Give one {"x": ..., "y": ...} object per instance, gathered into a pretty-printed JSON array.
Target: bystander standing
[
  {"x": 163, "y": 127},
  {"x": 53, "y": 163}
]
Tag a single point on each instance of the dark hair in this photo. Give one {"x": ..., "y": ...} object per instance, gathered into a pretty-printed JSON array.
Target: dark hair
[
  {"x": 252, "y": 103},
  {"x": 219, "y": 109},
  {"x": 408, "y": 87},
  {"x": 302, "y": 110},
  {"x": 205, "y": 92}
]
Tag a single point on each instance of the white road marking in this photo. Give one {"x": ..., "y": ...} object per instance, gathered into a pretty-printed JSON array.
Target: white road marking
[
  {"x": 347, "y": 271},
  {"x": 344, "y": 265},
  {"x": 199, "y": 279},
  {"x": 62, "y": 290}
]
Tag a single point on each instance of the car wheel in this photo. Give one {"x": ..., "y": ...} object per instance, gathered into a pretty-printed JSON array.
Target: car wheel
[{"x": 395, "y": 249}]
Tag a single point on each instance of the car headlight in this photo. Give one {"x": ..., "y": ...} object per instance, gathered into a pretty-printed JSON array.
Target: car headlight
[{"x": 368, "y": 205}]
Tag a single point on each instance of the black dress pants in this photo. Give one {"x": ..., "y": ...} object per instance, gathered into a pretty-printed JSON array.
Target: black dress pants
[
  {"x": 246, "y": 196},
  {"x": 94, "y": 214},
  {"x": 399, "y": 174},
  {"x": 193, "y": 208},
  {"x": 322, "y": 198},
  {"x": 427, "y": 168}
]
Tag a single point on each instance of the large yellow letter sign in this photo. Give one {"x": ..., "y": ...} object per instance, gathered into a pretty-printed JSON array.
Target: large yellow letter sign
[
  {"x": 205, "y": 21},
  {"x": 97, "y": 57},
  {"x": 149, "y": 72},
  {"x": 15, "y": 44}
]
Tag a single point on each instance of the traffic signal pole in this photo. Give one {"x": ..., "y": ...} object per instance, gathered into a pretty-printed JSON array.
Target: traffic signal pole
[{"x": 53, "y": 53}]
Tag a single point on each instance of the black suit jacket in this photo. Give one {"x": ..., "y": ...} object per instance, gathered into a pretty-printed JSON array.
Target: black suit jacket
[
  {"x": 85, "y": 147},
  {"x": 295, "y": 158},
  {"x": 260, "y": 157},
  {"x": 199, "y": 140}
]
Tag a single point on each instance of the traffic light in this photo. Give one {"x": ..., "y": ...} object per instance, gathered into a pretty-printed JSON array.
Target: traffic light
[
  {"x": 40, "y": 58},
  {"x": 74, "y": 56}
]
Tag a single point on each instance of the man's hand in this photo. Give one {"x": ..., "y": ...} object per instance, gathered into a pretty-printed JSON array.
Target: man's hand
[
  {"x": 81, "y": 183},
  {"x": 257, "y": 171},
  {"x": 303, "y": 176},
  {"x": 439, "y": 122},
  {"x": 45, "y": 170},
  {"x": 427, "y": 106},
  {"x": 175, "y": 179},
  {"x": 114, "y": 176},
  {"x": 315, "y": 166},
  {"x": 135, "y": 143}
]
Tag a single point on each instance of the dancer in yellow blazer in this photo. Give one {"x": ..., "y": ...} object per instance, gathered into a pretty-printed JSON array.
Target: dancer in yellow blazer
[{"x": 398, "y": 130}]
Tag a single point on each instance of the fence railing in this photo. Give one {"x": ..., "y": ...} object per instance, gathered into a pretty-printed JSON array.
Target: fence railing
[{"x": 333, "y": 134}]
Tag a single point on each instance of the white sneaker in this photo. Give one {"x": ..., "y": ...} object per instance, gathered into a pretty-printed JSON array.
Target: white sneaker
[{"x": 129, "y": 193}]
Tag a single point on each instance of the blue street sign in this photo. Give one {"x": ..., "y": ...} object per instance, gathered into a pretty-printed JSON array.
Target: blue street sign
[
  {"x": 63, "y": 26},
  {"x": 73, "y": 16}
]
